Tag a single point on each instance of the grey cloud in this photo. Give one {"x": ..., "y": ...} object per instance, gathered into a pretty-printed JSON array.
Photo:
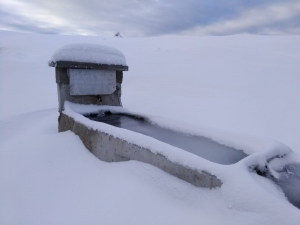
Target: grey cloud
[
  {"x": 142, "y": 17},
  {"x": 269, "y": 19},
  {"x": 19, "y": 23}
]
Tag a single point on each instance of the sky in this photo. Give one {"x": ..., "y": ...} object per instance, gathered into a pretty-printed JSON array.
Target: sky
[{"x": 143, "y": 18}]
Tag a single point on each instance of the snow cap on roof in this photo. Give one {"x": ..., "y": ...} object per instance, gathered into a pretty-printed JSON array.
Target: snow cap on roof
[{"x": 89, "y": 53}]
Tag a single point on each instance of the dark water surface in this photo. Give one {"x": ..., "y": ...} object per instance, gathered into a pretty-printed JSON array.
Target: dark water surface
[
  {"x": 289, "y": 182},
  {"x": 197, "y": 145}
]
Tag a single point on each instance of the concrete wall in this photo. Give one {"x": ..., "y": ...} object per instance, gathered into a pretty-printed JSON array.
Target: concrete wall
[
  {"x": 63, "y": 91},
  {"x": 111, "y": 149}
]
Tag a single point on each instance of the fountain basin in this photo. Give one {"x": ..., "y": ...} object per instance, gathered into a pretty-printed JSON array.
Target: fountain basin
[
  {"x": 121, "y": 136},
  {"x": 110, "y": 148}
]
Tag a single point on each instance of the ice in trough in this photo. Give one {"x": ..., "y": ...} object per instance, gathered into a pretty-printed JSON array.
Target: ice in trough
[{"x": 197, "y": 145}]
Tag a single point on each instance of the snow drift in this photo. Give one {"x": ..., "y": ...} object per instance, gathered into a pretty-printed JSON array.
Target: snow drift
[{"x": 243, "y": 85}]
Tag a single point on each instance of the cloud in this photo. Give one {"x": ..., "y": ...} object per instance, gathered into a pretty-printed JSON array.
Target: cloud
[
  {"x": 272, "y": 19},
  {"x": 27, "y": 17},
  {"x": 150, "y": 17}
]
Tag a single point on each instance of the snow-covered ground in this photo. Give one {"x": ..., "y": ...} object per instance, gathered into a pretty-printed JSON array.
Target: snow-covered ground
[{"x": 243, "y": 85}]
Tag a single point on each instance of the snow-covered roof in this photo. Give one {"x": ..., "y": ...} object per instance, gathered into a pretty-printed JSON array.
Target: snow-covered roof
[{"x": 89, "y": 53}]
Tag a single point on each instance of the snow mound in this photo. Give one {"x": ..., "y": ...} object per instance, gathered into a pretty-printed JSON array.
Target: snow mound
[{"x": 89, "y": 53}]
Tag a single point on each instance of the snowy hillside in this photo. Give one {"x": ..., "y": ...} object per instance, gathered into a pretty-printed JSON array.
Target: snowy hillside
[{"x": 243, "y": 86}]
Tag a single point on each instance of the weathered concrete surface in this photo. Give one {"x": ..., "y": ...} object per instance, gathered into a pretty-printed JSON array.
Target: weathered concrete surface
[
  {"x": 92, "y": 82},
  {"x": 111, "y": 149},
  {"x": 63, "y": 91}
]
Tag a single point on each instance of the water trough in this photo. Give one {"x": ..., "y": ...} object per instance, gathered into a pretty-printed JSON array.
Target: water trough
[{"x": 198, "y": 145}]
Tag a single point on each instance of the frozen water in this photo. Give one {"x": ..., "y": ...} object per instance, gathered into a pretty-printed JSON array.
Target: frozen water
[{"x": 197, "y": 145}]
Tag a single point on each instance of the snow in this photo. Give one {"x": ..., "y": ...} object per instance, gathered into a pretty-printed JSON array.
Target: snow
[
  {"x": 89, "y": 53},
  {"x": 174, "y": 154},
  {"x": 247, "y": 143},
  {"x": 242, "y": 85},
  {"x": 50, "y": 178}
]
